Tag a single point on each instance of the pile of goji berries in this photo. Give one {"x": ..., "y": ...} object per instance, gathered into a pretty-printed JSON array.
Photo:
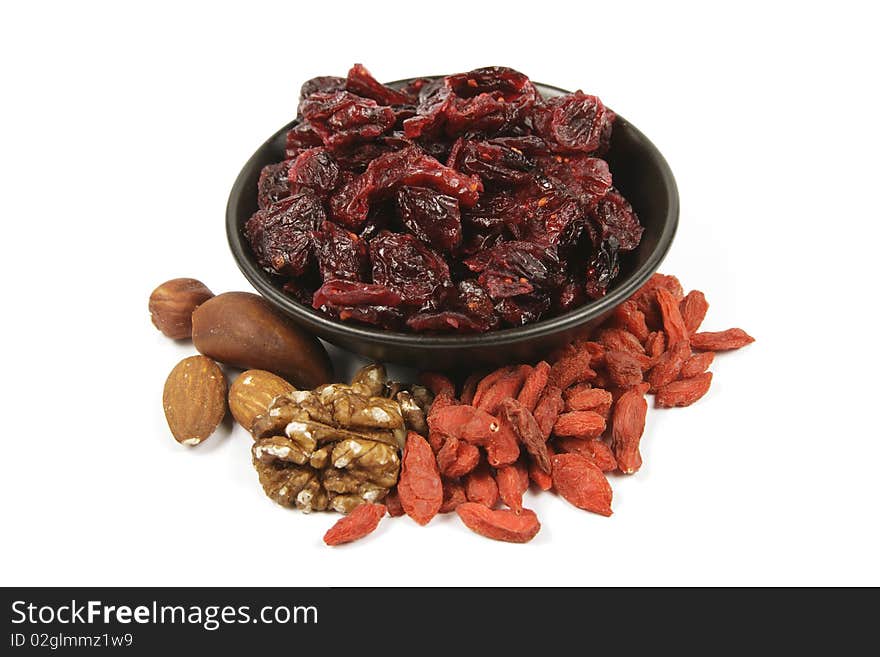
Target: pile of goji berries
[{"x": 560, "y": 426}]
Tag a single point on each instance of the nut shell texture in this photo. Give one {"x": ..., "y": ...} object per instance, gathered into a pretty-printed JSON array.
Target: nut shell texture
[{"x": 194, "y": 399}]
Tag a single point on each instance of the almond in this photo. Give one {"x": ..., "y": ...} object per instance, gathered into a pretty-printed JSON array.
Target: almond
[
  {"x": 194, "y": 399},
  {"x": 252, "y": 392}
]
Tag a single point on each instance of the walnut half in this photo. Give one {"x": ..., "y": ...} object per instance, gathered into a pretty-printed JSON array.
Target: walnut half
[{"x": 330, "y": 448}]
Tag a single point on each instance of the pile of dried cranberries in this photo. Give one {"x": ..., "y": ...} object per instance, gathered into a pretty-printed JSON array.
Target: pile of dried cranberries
[{"x": 463, "y": 203}]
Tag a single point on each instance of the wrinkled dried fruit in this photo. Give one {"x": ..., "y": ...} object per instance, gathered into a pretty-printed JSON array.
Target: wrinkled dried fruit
[
  {"x": 392, "y": 503},
  {"x": 506, "y": 387},
  {"x": 469, "y": 388},
  {"x": 673, "y": 323},
  {"x": 693, "y": 310},
  {"x": 668, "y": 366},
  {"x": 480, "y": 486},
  {"x": 541, "y": 479},
  {"x": 582, "y": 483},
  {"x": 624, "y": 370},
  {"x": 527, "y": 430},
  {"x": 548, "y": 409},
  {"x": 453, "y": 495},
  {"x": 579, "y": 424},
  {"x": 588, "y": 399},
  {"x": 361, "y": 521},
  {"x": 420, "y": 488},
  {"x": 721, "y": 340},
  {"x": 500, "y": 524},
  {"x": 572, "y": 368},
  {"x": 513, "y": 481},
  {"x": 593, "y": 449},
  {"x": 628, "y": 317},
  {"x": 457, "y": 457},
  {"x": 533, "y": 386},
  {"x": 508, "y": 186},
  {"x": 627, "y": 427},
  {"x": 479, "y": 428},
  {"x": 488, "y": 381},
  {"x": 696, "y": 364},
  {"x": 437, "y": 384},
  {"x": 655, "y": 345},
  {"x": 684, "y": 392}
]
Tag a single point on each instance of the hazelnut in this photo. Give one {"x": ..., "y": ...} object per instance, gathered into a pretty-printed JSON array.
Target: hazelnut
[{"x": 172, "y": 305}]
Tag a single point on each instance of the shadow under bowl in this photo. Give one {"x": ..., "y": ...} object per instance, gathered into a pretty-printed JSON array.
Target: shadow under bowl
[{"x": 640, "y": 173}]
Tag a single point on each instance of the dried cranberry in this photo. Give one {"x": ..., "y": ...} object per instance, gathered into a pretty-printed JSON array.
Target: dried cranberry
[
  {"x": 314, "y": 169},
  {"x": 522, "y": 310},
  {"x": 385, "y": 174},
  {"x": 491, "y": 162},
  {"x": 354, "y": 293},
  {"x": 281, "y": 236},
  {"x": 340, "y": 253},
  {"x": 574, "y": 122},
  {"x": 273, "y": 184},
  {"x": 321, "y": 84},
  {"x": 602, "y": 269},
  {"x": 341, "y": 118},
  {"x": 360, "y": 82},
  {"x": 523, "y": 263},
  {"x": 300, "y": 138},
  {"x": 468, "y": 309},
  {"x": 616, "y": 219},
  {"x": 520, "y": 222},
  {"x": 404, "y": 264},
  {"x": 431, "y": 216}
]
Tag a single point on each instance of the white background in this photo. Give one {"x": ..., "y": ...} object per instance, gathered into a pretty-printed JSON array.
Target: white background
[{"x": 123, "y": 129}]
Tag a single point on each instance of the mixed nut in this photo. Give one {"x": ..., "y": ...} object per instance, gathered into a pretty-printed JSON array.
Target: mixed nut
[{"x": 375, "y": 446}]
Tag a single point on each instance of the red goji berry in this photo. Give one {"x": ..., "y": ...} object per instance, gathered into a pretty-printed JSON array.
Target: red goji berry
[
  {"x": 581, "y": 482},
  {"x": 628, "y": 317},
  {"x": 506, "y": 387},
  {"x": 592, "y": 448},
  {"x": 627, "y": 427},
  {"x": 419, "y": 487},
  {"x": 579, "y": 424},
  {"x": 500, "y": 524},
  {"x": 668, "y": 366},
  {"x": 588, "y": 399},
  {"x": 488, "y": 381},
  {"x": 548, "y": 409},
  {"x": 480, "y": 486},
  {"x": 673, "y": 324},
  {"x": 526, "y": 429},
  {"x": 693, "y": 310},
  {"x": 696, "y": 364},
  {"x": 572, "y": 368},
  {"x": 361, "y": 521},
  {"x": 469, "y": 387},
  {"x": 721, "y": 340},
  {"x": 534, "y": 385},
  {"x": 623, "y": 368},
  {"x": 513, "y": 481},
  {"x": 438, "y": 384},
  {"x": 684, "y": 392},
  {"x": 453, "y": 495}
]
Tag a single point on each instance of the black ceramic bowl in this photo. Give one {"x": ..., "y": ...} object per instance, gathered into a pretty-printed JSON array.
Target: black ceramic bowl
[{"x": 639, "y": 172}]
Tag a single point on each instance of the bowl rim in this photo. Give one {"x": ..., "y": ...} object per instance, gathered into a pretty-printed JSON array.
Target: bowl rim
[{"x": 514, "y": 335}]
